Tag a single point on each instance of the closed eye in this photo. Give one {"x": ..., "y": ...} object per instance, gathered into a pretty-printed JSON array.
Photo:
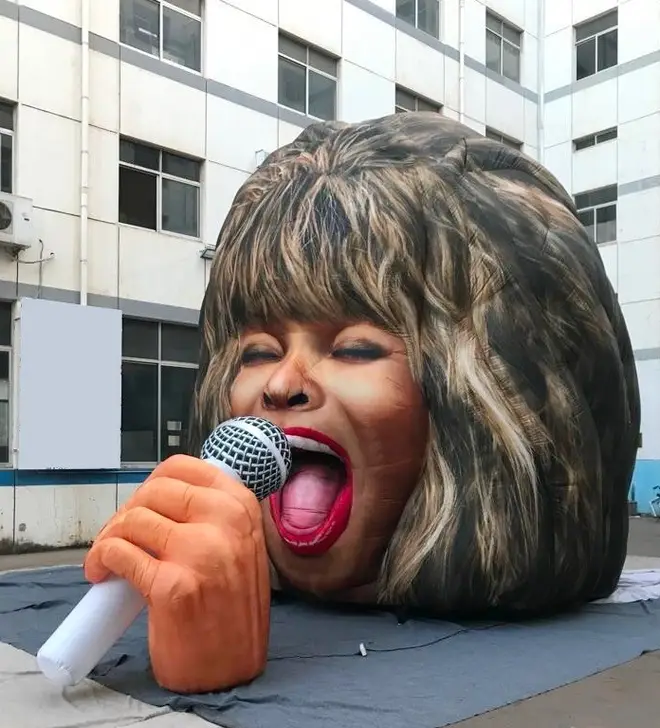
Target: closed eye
[
  {"x": 254, "y": 355},
  {"x": 359, "y": 352}
]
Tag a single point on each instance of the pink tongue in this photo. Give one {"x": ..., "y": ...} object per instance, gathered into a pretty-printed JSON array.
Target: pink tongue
[{"x": 309, "y": 495}]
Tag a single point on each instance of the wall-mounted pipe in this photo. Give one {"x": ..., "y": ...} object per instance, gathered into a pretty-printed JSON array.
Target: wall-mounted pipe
[
  {"x": 540, "y": 82},
  {"x": 84, "y": 150},
  {"x": 461, "y": 61}
]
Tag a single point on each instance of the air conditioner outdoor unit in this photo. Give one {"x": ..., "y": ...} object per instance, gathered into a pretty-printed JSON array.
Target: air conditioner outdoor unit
[{"x": 16, "y": 227}]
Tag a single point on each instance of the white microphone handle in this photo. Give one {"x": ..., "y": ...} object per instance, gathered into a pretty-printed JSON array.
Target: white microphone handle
[{"x": 93, "y": 626}]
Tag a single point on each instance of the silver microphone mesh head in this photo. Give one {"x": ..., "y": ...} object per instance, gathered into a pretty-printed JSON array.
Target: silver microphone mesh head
[{"x": 255, "y": 449}]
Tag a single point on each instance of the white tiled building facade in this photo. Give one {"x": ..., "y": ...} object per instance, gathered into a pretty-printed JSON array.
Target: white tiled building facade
[{"x": 130, "y": 124}]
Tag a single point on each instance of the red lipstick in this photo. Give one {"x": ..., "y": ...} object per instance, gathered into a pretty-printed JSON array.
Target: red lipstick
[{"x": 305, "y": 486}]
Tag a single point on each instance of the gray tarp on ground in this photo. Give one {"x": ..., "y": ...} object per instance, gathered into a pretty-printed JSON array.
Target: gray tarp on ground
[{"x": 421, "y": 674}]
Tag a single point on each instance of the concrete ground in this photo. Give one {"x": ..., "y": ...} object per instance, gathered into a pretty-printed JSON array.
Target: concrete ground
[{"x": 628, "y": 694}]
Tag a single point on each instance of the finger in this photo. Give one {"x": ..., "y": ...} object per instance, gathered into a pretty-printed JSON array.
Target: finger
[
  {"x": 191, "y": 470},
  {"x": 199, "y": 472},
  {"x": 117, "y": 514},
  {"x": 184, "y": 503},
  {"x": 146, "y": 529},
  {"x": 125, "y": 560}
]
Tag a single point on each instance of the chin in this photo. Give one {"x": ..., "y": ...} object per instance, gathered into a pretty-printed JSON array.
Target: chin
[{"x": 334, "y": 575}]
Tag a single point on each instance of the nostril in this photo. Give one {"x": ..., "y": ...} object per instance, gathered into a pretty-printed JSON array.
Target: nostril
[{"x": 298, "y": 399}]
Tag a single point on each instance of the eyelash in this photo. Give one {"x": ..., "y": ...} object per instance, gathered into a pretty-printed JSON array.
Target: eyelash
[{"x": 361, "y": 352}]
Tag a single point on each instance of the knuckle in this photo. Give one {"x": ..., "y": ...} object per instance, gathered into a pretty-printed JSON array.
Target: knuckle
[{"x": 178, "y": 461}]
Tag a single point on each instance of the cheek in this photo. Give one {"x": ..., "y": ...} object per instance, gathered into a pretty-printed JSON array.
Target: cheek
[
  {"x": 245, "y": 393},
  {"x": 389, "y": 418}
]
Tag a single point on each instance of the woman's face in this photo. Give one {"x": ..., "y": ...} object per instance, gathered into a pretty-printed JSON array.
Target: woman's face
[{"x": 345, "y": 396}]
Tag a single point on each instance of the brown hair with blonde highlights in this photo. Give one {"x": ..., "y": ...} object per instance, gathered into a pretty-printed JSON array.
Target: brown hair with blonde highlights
[{"x": 472, "y": 252}]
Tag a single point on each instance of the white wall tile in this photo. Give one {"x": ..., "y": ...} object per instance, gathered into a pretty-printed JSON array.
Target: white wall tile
[
  {"x": 236, "y": 134},
  {"x": 318, "y": 23},
  {"x": 222, "y": 184},
  {"x": 642, "y": 320},
  {"x": 103, "y": 259},
  {"x": 8, "y": 58},
  {"x": 286, "y": 133},
  {"x": 103, "y": 175},
  {"x": 364, "y": 95},
  {"x": 594, "y": 108},
  {"x": 248, "y": 66},
  {"x": 368, "y": 42},
  {"x": 639, "y": 93},
  {"x": 558, "y": 15},
  {"x": 505, "y": 110},
  {"x": 52, "y": 86},
  {"x": 148, "y": 99},
  {"x": 160, "y": 268},
  {"x": 103, "y": 18},
  {"x": 558, "y": 72},
  {"x": 639, "y": 270},
  {"x": 639, "y": 29},
  {"x": 413, "y": 55},
  {"x": 60, "y": 234},
  {"x": 639, "y": 149},
  {"x": 638, "y": 215},
  {"x": 41, "y": 136},
  {"x": 595, "y": 166},
  {"x": 104, "y": 107}
]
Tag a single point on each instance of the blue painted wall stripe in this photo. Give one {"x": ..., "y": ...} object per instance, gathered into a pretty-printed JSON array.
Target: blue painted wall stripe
[
  {"x": 645, "y": 478},
  {"x": 18, "y": 478}
]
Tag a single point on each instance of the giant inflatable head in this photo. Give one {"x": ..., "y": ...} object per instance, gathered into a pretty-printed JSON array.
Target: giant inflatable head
[{"x": 425, "y": 301}]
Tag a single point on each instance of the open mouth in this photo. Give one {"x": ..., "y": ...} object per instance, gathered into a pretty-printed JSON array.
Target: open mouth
[{"x": 312, "y": 510}]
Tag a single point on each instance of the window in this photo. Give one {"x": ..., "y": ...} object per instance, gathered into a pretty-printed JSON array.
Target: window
[
  {"x": 6, "y": 321},
  {"x": 159, "y": 366},
  {"x": 170, "y": 30},
  {"x": 496, "y": 136},
  {"x": 592, "y": 139},
  {"x": 307, "y": 80},
  {"x": 158, "y": 190},
  {"x": 597, "y": 212},
  {"x": 406, "y": 101},
  {"x": 6, "y": 147},
  {"x": 503, "y": 44},
  {"x": 423, "y": 14},
  {"x": 596, "y": 45}
]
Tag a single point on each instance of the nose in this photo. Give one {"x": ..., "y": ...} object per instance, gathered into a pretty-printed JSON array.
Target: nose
[{"x": 291, "y": 387}]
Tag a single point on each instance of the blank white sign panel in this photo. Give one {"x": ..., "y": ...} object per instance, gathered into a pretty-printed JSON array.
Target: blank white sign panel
[{"x": 69, "y": 386}]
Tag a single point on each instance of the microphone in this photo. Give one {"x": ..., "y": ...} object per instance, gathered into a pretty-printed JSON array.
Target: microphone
[{"x": 250, "y": 449}]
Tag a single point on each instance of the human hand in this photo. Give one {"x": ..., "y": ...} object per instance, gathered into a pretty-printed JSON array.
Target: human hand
[{"x": 190, "y": 540}]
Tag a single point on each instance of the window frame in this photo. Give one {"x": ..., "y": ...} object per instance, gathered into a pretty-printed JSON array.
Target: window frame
[
  {"x": 307, "y": 66},
  {"x": 500, "y": 35},
  {"x": 160, "y": 176},
  {"x": 11, "y": 134},
  {"x": 605, "y": 190},
  {"x": 174, "y": 8},
  {"x": 595, "y": 38},
  {"x": 433, "y": 106},
  {"x": 497, "y": 136},
  {"x": 415, "y": 24},
  {"x": 593, "y": 140},
  {"x": 158, "y": 363}
]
